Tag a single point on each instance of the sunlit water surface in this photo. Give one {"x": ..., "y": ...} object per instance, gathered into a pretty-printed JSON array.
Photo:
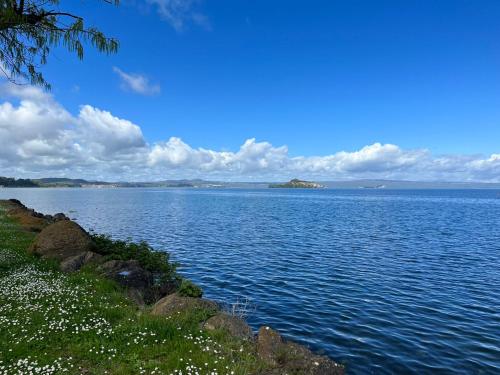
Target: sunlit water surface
[{"x": 384, "y": 281}]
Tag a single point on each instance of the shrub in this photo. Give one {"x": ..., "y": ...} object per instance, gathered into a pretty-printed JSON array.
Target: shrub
[
  {"x": 189, "y": 289},
  {"x": 157, "y": 262}
]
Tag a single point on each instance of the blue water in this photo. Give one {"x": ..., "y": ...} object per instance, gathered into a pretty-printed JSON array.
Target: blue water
[{"x": 384, "y": 281}]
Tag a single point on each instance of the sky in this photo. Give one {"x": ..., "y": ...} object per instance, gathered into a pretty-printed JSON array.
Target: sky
[{"x": 267, "y": 90}]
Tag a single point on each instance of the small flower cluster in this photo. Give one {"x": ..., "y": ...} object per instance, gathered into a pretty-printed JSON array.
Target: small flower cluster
[
  {"x": 31, "y": 366},
  {"x": 46, "y": 294},
  {"x": 8, "y": 257},
  {"x": 207, "y": 345},
  {"x": 54, "y": 305}
]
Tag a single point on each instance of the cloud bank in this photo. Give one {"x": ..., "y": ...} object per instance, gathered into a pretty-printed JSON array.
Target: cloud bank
[{"x": 39, "y": 137}]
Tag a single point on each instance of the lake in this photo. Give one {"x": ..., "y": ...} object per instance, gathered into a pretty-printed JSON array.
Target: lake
[{"x": 384, "y": 281}]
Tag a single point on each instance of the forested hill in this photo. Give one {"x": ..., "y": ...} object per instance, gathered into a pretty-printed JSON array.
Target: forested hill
[
  {"x": 49, "y": 182},
  {"x": 12, "y": 182}
]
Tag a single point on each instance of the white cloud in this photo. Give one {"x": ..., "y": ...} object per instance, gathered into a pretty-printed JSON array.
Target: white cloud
[
  {"x": 137, "y": 83},
  {"x": 39, "y": 137},
  {"x": 178, "y": 13},
  {"x": 38, "y": 134},
  {"x": 372, "y": 159},
  {"x": 252, "y": 157},
  {"x": 119, "y": 135}
]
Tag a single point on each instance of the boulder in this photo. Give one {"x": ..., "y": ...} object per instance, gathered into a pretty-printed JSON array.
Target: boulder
[
  {"x": 288, "y": 357},
  {"x": 136, "y": 297},
  {"x": 167, "y": 288},
  {"x": 59, "y": 216},
  {"x": 131, "y": 275},
  {"x": 62, "y": 240},
  {"x": 16, "y": 202},
  {"x": 76, "y": 262},
  {"x": 158, "y": 291},
  {"x": 233, "y": 325},
  {"x": 269, "y": 344},
  {"x": 29, "y": 219},
  {"x": 298, "y": 359},
  {"x": 128, "y": 273},
  {"x": 173, "y": 304}
]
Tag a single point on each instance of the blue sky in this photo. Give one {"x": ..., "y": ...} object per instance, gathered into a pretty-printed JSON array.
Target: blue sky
[{"x": 320, "y": 77}]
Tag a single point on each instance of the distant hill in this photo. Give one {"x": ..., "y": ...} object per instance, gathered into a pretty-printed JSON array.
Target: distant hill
[
  {"x": 68, "y": 182},
  {"x": 297, "y": 184},
  {"x": 178, "y": 184},
  {"x": 56, "y": 180},
  {"x": 12, "y": 182}
]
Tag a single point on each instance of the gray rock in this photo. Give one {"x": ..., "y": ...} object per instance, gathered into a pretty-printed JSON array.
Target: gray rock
[
  {"x": 131, "y": 275},
  {"x": 136, "y": 296},
  {"x": 233, "y": 325},
  {"x": 76, "y": 262},
  {"x": 128, "y": 273}
]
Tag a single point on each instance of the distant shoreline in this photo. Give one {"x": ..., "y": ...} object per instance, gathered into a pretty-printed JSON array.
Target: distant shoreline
[
  {"x": 206, "y": 184},
  {"x": 495, "y": 187}
]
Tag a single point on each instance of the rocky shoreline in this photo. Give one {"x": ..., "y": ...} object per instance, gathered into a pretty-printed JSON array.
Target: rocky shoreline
[{"x": 158, "y": 291}]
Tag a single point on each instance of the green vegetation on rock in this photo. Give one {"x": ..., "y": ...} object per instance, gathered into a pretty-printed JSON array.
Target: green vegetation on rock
[
  {"x": 190, "y": 289},
  {"x": 156, "y": 262}
]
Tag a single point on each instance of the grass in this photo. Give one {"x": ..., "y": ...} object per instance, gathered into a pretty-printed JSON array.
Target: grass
[{"x": 52, "y": 322}]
